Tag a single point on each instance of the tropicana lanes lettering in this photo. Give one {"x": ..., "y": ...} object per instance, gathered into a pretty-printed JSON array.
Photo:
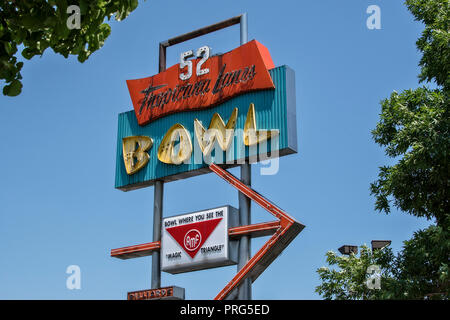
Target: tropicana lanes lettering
[
  {"x": 188, "y": 90},
  {"x": 242, "y": 70}
]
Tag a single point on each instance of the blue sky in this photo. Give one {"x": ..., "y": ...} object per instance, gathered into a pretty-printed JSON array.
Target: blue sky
[{"x": 58, "y": 205}]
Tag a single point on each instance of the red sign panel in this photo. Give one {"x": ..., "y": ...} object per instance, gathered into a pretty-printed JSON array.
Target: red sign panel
[
  {"x": 167, "y": 293},
  {"x": 192, "y": 236},
  {"x": 221, "y": 77}
]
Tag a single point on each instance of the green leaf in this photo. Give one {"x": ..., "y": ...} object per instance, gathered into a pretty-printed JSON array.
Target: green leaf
[
  {"x": 28, "y": 53},
  {"x": 13, "y": 89},
  {"x": 38, "y": 25},
  {"x": 10, "y": 48}
]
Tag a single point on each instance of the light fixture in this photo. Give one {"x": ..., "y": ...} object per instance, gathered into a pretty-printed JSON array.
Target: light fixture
[
  {"x": 380, "y": 244},
  {"x": 348, "y": 249}
]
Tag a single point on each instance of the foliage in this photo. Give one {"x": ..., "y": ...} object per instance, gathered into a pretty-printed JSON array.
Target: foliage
[
  {"x": 32, "y": 26},
  {"x": 348, "y": 281},
  {"x": 413, "y": 129},
  {"x": 419, "y": 271},
  {"x": 435, "y": 40},
  {"x": 414, "y": 125},
  {"x": 421, "y": 268}
]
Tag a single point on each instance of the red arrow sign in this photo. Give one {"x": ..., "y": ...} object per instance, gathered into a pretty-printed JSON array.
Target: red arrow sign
[
  {"x": 283, "y": 232},
  {"x": 286, "y": 232},
  {"x": 192, "y": 236}
]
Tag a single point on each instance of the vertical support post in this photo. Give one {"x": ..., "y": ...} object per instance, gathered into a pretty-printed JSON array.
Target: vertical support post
[
  {"x": 158, "y": 197},
  {"x": 245, "y": 290},
  {"x": 157, "y": 221},
  {"x": 162, "y": 57},
  {"x": 244, "y": 29}
]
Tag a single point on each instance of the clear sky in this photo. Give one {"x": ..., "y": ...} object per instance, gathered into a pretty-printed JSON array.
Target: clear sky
[{"x": 58, "y": 205}]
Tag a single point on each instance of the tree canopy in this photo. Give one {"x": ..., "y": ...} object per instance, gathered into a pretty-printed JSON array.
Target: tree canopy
[
  {"x": 414, "y": 130},
  {"x": 33, "y": 26},
  {"x": 414, "y": 125},
  {"x": 419, "y": 271},
  {"x": 347, "y": 279}
]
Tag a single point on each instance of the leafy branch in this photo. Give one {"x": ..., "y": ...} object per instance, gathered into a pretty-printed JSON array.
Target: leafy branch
[{"x": 33, "y": 26}]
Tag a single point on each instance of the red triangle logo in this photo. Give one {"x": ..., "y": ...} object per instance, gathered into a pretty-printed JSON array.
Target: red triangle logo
[{"x": 192, "y": 236}]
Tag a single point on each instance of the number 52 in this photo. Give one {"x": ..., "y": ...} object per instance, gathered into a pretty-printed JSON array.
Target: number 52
[{"x": 201, "y": 52}]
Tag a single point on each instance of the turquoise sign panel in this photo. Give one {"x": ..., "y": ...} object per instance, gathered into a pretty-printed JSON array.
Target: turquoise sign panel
[{"x": 274, "y": 110}]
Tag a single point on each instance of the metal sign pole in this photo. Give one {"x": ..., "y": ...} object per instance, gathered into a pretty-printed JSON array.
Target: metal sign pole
[
  {"x": 158, "y": 197},
  {"x": 157, "y": 220},
  {"x": 245, "y": 290}
]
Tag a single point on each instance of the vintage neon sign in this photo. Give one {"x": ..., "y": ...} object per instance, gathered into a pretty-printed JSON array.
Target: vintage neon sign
[
  {"x": 217, "y": 79},
  {"x": 163, "y": 116},
  {"x": 246, "y": 112},
  {"x": 136, "y": 159}
]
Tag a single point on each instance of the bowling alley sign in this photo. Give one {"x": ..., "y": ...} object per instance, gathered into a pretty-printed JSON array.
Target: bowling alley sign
[
  {"x": 206, "y": 114},
  {"x": 226, "y": 109}
]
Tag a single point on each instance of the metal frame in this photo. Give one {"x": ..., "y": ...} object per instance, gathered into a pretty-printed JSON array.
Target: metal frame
[
  {"x": 147, "y": 249},
  {"x": 241, "y": 19},
  {"x": 136, "y": 251}
]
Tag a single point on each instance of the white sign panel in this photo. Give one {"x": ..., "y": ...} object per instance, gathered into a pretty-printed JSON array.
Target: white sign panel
[{"x": 198, "y": 240}]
